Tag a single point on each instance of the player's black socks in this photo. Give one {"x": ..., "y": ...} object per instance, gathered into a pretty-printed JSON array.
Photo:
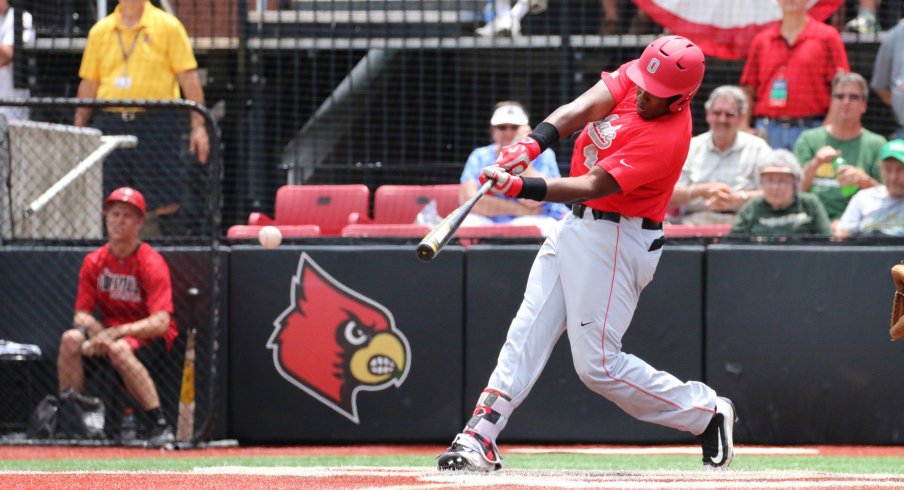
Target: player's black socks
[{"x": 156, "y": 414}]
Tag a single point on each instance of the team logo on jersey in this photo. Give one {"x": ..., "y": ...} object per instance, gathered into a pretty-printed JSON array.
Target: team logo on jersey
[
  {"x": 602, "y": 132},
  {"x": 333, "y": 342},
  {"x": 121, "y": 287}
]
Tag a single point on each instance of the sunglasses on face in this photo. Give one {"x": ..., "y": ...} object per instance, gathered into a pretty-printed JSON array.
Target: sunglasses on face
[
  {"x": 506, "y": 127},
  {"x": 851, "y": 97}
]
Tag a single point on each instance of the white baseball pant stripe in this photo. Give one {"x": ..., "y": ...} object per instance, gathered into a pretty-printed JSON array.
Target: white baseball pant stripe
[{"x": 587, "y": 279}]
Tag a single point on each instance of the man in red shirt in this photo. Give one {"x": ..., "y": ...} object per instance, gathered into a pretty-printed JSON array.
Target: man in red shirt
[
  {"x": 128, "y": 283},
  {"x": 589, "y": 273},
  {"x": 789, "y": 74}
]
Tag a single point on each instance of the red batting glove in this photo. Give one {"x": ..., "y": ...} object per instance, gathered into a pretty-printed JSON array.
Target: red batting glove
[
  {"x": 515, "y": 158},
  {"x": 504, "y": 183}
]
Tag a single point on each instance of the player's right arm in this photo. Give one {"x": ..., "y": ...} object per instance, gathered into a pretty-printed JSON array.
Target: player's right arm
[
  {"x": 592, "y": 105},
  {"x": 86, "y": 297}
]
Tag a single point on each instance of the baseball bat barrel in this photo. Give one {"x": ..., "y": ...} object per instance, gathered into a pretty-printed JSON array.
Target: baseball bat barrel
[{"x": 440, "y": 235}]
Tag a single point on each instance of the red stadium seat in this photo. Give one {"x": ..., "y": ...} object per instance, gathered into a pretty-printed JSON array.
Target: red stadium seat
[
  {"x": 492, "y": 231},
  {"x": 401, "y": 230},
  {"x": 288, "y": 231},
  {"x": 679, "y": 231},
  {"x": 329, "y": 207},
  {"x": 400, "y": 204}
]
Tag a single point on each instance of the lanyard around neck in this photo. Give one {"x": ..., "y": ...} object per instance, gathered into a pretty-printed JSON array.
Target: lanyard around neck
[{"x": 122, "y": 47}]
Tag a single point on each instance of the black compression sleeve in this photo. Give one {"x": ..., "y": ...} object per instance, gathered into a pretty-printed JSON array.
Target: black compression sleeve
[
  {"x": 534, "y": 188},
  {"x": 545, "y": 134}
]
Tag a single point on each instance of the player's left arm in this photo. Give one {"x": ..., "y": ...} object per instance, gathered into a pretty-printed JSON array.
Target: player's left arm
[
  {"x": 158, "y": 296},
  {"x": 594, "y": 184}
]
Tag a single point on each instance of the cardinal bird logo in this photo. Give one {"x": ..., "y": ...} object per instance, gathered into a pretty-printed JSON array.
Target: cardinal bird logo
[{"x": 333, "y": 342}]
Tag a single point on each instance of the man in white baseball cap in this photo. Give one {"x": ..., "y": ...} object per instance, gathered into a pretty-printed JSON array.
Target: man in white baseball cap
[
  {"x": 508, "y": 124},
  {"x": 509, "y": 113}
]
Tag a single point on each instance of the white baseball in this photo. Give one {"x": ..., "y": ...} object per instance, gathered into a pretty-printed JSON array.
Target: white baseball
[{"x": 269, "y": 236}]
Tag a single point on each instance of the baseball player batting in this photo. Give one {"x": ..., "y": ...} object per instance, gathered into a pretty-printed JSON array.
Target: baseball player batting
[{"x": 588, "y": 274}]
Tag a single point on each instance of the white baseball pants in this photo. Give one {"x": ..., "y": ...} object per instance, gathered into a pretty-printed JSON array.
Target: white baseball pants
[{"x": 587, "y": 279}]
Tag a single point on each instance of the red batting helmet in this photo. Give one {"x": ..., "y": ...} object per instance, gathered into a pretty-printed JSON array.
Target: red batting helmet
[
  {"x": 669, "y": 66},
  {"x": 127, "y": 195}
]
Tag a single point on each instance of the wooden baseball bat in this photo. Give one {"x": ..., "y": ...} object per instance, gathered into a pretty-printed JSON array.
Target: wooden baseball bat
[
  {"x": 440, "y": 235},
  {"x": 186, "y": 423}
]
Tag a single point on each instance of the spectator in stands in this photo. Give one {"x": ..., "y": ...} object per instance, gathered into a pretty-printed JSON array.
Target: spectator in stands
[
  {"x": 879, "y": 210},
  {"x": 504, "y": 19},
  {"x": 142, "y": 52},
  {"x": 888, "y": 74},
  {"x": 128, "y": 283},
  {"x": 830, "y": 179},
  {"x": 509, "y": 121},
  {"x": 865, "y": 22},
  {"x": 781, "y": 210},
  {"x": 612, "y": 20},
  {"x": 7, "y": 87},
  {"x": 789, "y": 71},
  {"x": 719, "y": 175}
]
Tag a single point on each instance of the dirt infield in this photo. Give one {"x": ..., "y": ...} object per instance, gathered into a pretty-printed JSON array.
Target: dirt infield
[
  {"x": 204, "y": 476},
  {"x": 420, "y": 478},
  {"x": 56, "y": 452}
]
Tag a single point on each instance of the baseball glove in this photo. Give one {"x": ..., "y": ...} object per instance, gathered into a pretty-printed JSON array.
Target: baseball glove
[{"x": 897, "y": 306}]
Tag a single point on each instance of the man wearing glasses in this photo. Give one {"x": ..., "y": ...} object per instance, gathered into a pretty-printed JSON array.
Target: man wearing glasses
[
  {"x": 841, "y": 157},
  {"x": 719, "y": 174}
]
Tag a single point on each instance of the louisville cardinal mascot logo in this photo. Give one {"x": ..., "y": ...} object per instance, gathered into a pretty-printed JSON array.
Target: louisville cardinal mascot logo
[{"x": 333, "y": 342}]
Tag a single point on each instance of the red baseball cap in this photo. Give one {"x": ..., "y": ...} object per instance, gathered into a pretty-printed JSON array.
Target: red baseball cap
[{"x": 127, "y": 195}]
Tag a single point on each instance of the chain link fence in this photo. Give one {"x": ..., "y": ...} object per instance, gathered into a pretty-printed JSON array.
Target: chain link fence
[{"x": 53, "y": 180}]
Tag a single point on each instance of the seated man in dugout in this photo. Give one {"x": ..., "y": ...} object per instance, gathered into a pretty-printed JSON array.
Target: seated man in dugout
[
  {"x": 128, "y": 283},
  {"x": 719, "y": 175},
  {"x": 782, "y": 210}
]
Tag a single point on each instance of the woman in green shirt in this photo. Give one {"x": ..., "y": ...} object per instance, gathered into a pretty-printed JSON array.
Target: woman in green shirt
[{"x": 782, "y": 210}]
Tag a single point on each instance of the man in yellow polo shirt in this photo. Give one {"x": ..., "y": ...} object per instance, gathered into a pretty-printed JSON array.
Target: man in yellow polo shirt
[{"x": 142, "y": 52}]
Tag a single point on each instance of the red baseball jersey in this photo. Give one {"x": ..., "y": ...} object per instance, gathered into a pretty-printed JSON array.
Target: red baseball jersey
[
  {"x": 127, "y": 289},
  {"x": 644, "y": 156}
]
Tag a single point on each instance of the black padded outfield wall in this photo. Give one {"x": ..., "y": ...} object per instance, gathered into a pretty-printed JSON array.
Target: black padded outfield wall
[
  {"x": 797, "y": 336},
  {"x": 667, "y": 332},
  {"x": 345, "y": 344}
]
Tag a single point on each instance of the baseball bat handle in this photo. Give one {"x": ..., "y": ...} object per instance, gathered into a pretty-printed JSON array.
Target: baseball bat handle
[{"x": 440, "y": 235}]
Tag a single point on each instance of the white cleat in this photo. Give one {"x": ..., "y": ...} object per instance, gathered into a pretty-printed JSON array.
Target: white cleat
[
  {"x": 718, "y": 438},
  {"x": 467, "y": 453}
]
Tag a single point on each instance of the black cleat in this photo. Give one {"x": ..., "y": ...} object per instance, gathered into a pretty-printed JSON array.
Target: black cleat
[
  {"x": 161, "y": 436},
  {"x": 717, "y": 440}
]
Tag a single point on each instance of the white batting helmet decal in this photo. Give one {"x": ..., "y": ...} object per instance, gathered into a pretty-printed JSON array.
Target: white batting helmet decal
[{"x": 653, "y": 65}]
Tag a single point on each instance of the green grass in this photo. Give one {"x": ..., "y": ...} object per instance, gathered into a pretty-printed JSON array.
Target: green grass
[{"x": 831, "y": 464}]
